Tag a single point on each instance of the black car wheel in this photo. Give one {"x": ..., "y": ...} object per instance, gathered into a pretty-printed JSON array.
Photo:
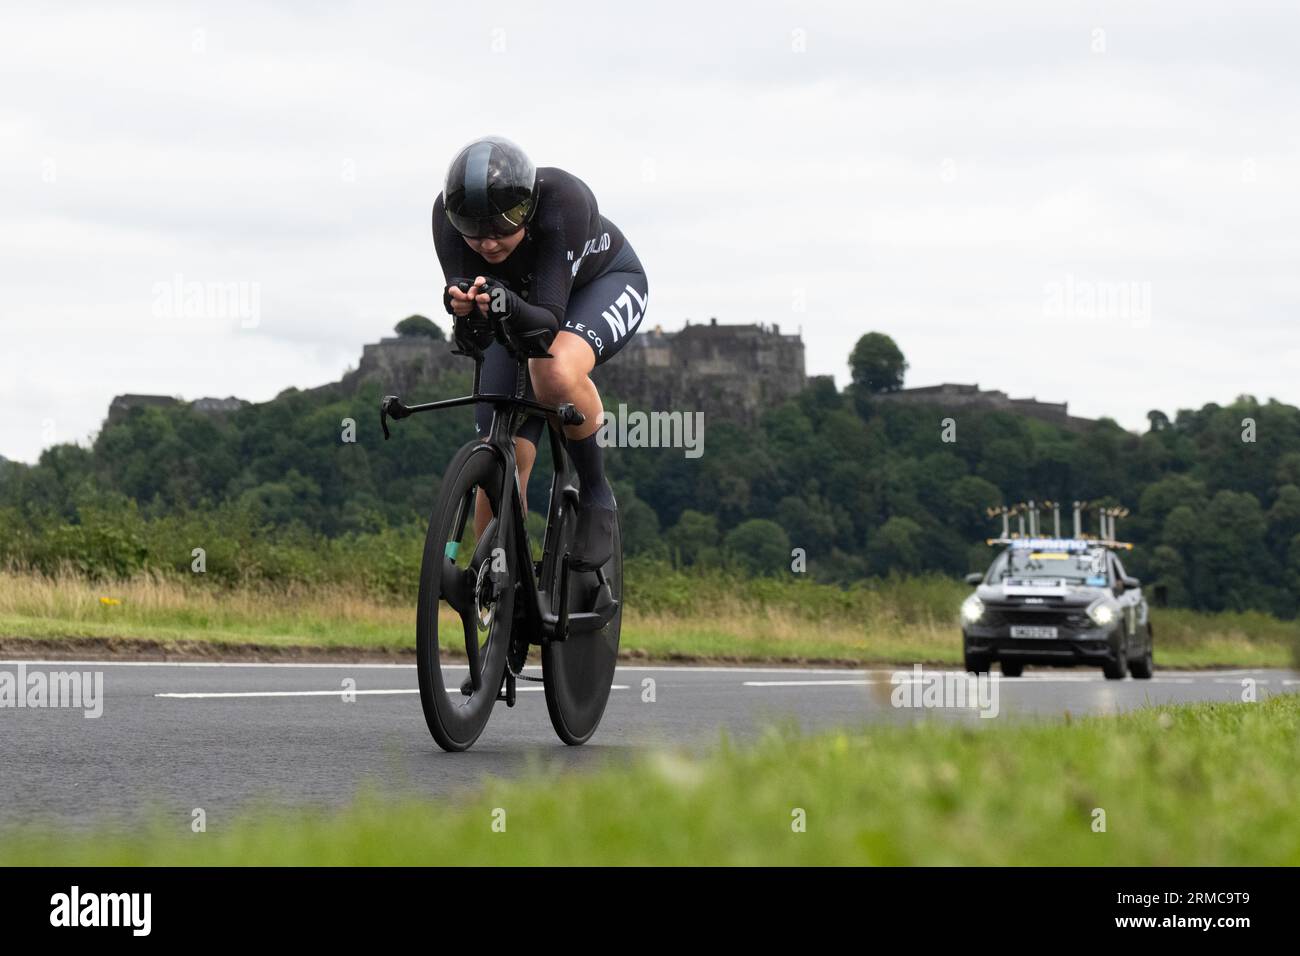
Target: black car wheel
[
  {"x": 1144, "y": 666},
  {"x": 1117, "y": 667},
  {"x": 975, "y": 663},
  {"x": 1012, "y": 668}
]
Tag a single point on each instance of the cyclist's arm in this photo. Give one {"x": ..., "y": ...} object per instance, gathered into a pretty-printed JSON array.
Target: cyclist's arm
[
  {"x": 450, "y": 247},
  {"x": 562, "y": 228}
]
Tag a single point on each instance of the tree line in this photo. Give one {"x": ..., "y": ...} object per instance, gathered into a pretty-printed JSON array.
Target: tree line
[{"x": 855, "y": 486}]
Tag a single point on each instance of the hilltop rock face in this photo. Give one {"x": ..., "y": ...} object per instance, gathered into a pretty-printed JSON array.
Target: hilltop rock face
[
  {"x": 727, "y": 371},
  {"x": 951, "y": 396},
  {"x": 405, "y": 364},
  {"x": 122, "y": 405}
]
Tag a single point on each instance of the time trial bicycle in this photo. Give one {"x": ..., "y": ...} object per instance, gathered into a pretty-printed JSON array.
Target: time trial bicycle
[{"x": 488, "y": 597}]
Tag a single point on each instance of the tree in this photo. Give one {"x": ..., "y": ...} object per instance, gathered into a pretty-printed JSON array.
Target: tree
[
  {"x": 694, "y": 538},
  {"x": 759, "y": 546},
  {"x": 877, "y": 363},
  {"x": 417, "y": 325},
  {"x": 1168, "y": 572},
  {"x": 897, "y": 546},
  {"x": 639, "y": 524},
  {"x": 968, "y": 498}
]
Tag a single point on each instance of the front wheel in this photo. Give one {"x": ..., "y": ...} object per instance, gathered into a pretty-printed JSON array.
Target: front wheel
[
  {"x": 470, "y": 584},
  {"x": 1145, "y": 666},
  {"x": 1117, "y": 669},
  {"x": 578, "y": 672}
]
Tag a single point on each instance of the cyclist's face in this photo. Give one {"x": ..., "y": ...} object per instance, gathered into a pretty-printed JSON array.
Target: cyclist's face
[{"x": 496, "y": 249}]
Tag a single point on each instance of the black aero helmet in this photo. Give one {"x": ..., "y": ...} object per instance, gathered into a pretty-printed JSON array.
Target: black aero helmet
[{"x": 491, "y": 188}]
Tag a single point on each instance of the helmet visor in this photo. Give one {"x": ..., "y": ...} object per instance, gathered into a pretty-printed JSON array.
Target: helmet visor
[{"x": 492, "y": 227}]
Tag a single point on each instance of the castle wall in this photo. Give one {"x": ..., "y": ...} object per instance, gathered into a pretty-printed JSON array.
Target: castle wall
[{"x": 728, "y": 371}]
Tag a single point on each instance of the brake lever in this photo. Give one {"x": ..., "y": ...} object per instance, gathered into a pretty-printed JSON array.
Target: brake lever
[{"x": 391, "y": 406}]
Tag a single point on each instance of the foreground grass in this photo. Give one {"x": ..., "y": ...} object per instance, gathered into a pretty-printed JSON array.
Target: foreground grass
[
  {"x": 895, "y": 621},
  {"x": 1204, "y": 784}
]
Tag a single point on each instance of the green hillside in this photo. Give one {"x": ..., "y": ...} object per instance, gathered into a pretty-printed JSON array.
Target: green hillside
[{"x": 864, "y": 487}]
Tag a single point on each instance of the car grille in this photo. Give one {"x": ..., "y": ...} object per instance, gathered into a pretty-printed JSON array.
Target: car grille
[{"x": 1005, "y": 617}]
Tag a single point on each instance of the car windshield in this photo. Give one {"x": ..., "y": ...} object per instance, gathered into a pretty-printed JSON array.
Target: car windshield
[{"x": 1023, "y": 564}]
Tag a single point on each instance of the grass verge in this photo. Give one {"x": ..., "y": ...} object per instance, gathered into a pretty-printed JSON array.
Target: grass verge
[
  {"x": 669, "y": 619},
  {"x": 1186, "y": 785}
]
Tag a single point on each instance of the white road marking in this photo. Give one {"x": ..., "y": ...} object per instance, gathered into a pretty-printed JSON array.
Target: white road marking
[
  {"x": 807, "y": 683},
  {"x": 332, "y": 693},
  {"x": 1034, "y": 679},
  {"x": 348, "y": 665},
  {"x": 341, "y": 666},
  {"x": 288, "y": 693}
]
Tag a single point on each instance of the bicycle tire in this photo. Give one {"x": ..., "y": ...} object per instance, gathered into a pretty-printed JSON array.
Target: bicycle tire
[{"x": 454, "y": 720}]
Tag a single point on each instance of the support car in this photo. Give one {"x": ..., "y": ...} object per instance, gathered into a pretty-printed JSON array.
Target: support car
[{"x": 1058, "y": 602}]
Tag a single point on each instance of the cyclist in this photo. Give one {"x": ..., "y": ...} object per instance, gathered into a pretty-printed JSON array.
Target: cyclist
[{"x": 530, "y": 246}]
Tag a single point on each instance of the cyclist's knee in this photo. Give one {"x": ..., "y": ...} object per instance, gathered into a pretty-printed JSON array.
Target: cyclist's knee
[
  {"x": 556, "y": 379},
  {"x": 564, "y": 374}
]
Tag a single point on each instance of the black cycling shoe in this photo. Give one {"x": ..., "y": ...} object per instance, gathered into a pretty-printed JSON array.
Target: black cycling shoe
[
  {"x": 467, "y": 688},
  {"x": 593, "y": 539}
]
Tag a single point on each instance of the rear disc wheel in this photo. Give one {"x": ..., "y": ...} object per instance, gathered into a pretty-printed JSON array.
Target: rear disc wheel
[{"x": 579, "y": 671}]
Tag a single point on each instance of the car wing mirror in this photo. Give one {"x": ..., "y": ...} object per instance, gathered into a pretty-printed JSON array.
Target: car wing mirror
[
  {"x": 1131, "y": 582},
  {"x": 974, "y": 577}
]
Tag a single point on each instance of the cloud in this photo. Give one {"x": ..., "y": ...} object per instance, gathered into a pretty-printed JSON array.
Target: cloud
[{"x": 929, "y": 170}]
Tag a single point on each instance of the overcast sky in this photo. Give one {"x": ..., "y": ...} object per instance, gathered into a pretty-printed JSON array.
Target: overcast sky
[{"x": 1085, "y": 202}]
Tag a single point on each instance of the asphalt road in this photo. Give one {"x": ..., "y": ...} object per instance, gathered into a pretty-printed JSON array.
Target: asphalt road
[{"x": 175, "y": 736}]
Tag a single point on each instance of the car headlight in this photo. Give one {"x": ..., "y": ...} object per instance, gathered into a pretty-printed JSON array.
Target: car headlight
[
  {"x": 1101, "y": 613},
  {"x": 972, "y": 609}
]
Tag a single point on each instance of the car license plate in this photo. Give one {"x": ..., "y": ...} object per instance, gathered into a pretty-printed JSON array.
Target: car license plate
[{"x": 1029, "y": 630}]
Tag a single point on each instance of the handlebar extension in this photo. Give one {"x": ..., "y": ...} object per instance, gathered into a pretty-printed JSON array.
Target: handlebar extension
[{"x": 392, "y": 407}]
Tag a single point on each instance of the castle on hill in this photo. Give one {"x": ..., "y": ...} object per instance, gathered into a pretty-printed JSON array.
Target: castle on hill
[{"x": 727, "y": 371}]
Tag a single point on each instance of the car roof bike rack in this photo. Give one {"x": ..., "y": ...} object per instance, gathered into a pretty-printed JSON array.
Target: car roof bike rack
[{"x": 1029, "y": 526}]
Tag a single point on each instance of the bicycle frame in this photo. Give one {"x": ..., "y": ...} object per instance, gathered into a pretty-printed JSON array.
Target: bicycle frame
[{"x": 508, "y": 412}]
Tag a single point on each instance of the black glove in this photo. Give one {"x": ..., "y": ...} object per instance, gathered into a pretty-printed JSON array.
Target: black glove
[
  {"x": 523, "y": 328},
  {"x": 462, "y": 284},
  {"x": 473, "y": 332},
  {"x": 501, "y": 300}
]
